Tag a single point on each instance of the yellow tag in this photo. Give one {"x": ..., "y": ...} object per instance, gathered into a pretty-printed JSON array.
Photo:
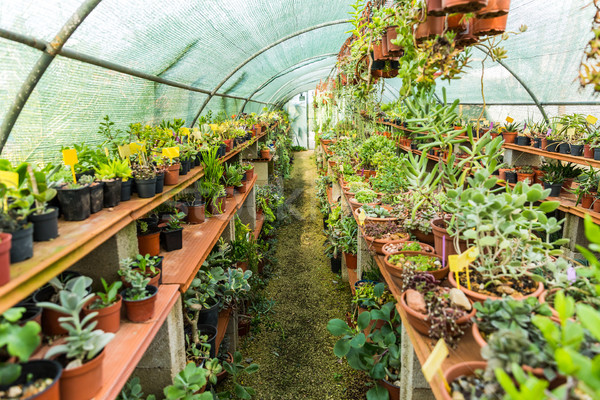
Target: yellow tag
[
  {"x": 433, "y": 364},
  {"x": 124, "y": 151},
  {"x": 361, "y": 216},
  {"x": 559, "y": 127},
  {"x": 354, "y": 136},
  {"x": 455, "y": 263},
  {"x": 106, "y": 152},
  {"x": 136, "y": 147},
  {"x": 509, "y": 120},
  {"x": 184, "y": 131},
  {"x": 70, "y": 157},
  {"x": 571, "y": 132},
  {"x": 460, "y": 262},
  {"x": 170, "y": 152},
  {"x": 9, "y": 178},
  {"x": 591, "y": 119},
  {"x": 213, "y": 126}
]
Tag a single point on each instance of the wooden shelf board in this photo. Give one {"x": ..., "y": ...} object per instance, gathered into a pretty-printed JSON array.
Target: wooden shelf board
[
  {"x": 180, "y": 266},
  {"x": 79, "y": 238},
  {"x": 260, "y": 220},
  {"x": 224, "y": 316},
  {"x": 130, "y": 343},
  {"x": 352, "y": 279},
  {"x": 556, "y": 156}
]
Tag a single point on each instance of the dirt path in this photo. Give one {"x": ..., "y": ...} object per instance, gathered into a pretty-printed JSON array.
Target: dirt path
[{"x": 294, "y": 348}]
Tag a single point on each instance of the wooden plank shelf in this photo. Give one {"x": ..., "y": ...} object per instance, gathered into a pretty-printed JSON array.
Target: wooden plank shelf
[
  {"x": 224, "y": 317},
  {"x": 180, "y": 266},
  {"x": 130, "y": 343},
  {"x": 79, "y": 238},
  {"x": 260, "y": 220},
  {"x": 590, "y": 162}
]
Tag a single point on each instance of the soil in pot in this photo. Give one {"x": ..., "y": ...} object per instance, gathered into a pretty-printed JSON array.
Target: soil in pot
[
  {"x": 172, "y": 240},
  {"x": 392, "y": 248},
  {"x": 519, "y": 288},
  {"x": 141, "y": 310},
  {"x": 112, "y": 193},
  {"x": 38, "y": 380},
  {"x": 431, "y": 263},
  {"x": 45, "y": 226},
  {"x": 21, "y": 244},
  {"x": 74, "y": 203},
  {"x": 108, "y": 318},
  {"x": 490, "y": 26},
  {"x": 82, "y": 383},
  {"x": 126, "y": 190},
  {"x": 146, "y": 188},
  {"x": 96, "y": 197}
]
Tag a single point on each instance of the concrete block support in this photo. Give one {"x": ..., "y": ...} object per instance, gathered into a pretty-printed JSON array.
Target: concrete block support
[
  {"x": 516, "y": 158},
  {"x": 247, "y": 212},
  {"x": 103, "y": 262},
  {"x": 574, "y": 230},
  {"x": 166, "y": 355},
  {"x": 261, "y": 170},
  {"x": 364, "y": 258}
]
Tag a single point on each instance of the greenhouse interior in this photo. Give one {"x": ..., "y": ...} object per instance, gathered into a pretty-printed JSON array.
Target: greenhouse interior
[{"x": 300, "y": 199}]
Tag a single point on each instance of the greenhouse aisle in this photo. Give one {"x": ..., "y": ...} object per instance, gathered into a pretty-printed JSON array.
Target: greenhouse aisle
[{"x": 293, "y": 347}]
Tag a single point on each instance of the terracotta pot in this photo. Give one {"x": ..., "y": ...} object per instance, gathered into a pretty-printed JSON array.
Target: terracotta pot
[
  {"x": 477, "y": 336},
  {"x": 243, "y": 188},
  {"x": 555, "y": 317},
  {"x": 39, "y": 369},
  {"x": 525, "y": 177},
  {"x": 355, "y": 205},
  {"x": 264, "y": 154},
  {"x": 250, "y": 174},
  {"x": 544, "y": 143},
  {"x": 377, "y": 244},
  {"x": 387, "y": 248},
  {"x": 108, "y": 318},
  {"x": 463, "y": 6},
  {"x": 172, "y": 175},
  {"x": 228, "y": 145},
  {"x": 5, "y": 243},
  {"x": 384, "y": 46},
  {"x": 476, "y": 296},
  {"x": 509, "y": 137},
  {"x": 502, "y": 173},
  {"x": 419, "y": 321},
  {"x": 141, "y": 310},
  {"x": 466, "y": 368},
  {"x": 396, "y": 271},
  {"x": 441, "y": 235},
  {"x": 229, "y": 191},
  {"x": 456, "y": 24},
  {"x": 490, "y": 26},
  {"x": 435, "y": 8},
  {"x": 391, "y": 34},
  {"x": 423, "y": 237},
  {"x": 378, "y": 52},
  {"x": 495, "y": 8},
  {"x": 588, "y": 152},
  {"x": 195, "y": 214},
  {"x": 538, "y": 176},
  {"x": 596, "y": 205},
  {"x": 586, "y": 200},
  {"x": 243, "y": 265},
  {"x": 149, "y": 244},
  {"x": 432, "y": 27},
  {"x": 351, "y": 260},
  {"x": 82, "y": 383},
  {"x": 393, "y": 390}
]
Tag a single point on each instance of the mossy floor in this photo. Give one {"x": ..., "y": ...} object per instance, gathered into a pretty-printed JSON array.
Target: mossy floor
[{"x": 293, "y": 347}]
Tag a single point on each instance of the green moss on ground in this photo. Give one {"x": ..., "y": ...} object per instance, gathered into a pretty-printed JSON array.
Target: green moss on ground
[{"x": 294, "y": 348}]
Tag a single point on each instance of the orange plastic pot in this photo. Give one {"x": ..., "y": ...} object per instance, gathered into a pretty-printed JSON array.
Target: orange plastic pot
[
  {"x": 391, "y": 34},
  {"x": 5, "y": 243},
  {"x": 195, "y": 214},
  {"x": 495, "y": 8},
  {"x": 440, "y": 234},
  {"x": 108, "y": 318},
  {"x": 351, "y": 260},
  {"x": 82, "y": 383},
  {"x": 172, "y": 175},
  {"x": 229, "y": 191},
  {"x": 466, "y": 368},
  {"x": 490, "y": 26},
  {"x": 141, "y": 310},
  {"x": 463, "y": 6},
  {"x": 586, "y": 200},
  {"x": 525, "y": 177},
  {"x": 509, "y": 137},
  {"x": 264, "y": 154},
  {"x": 378, "y": 52},
  {"x": 149, "y": 244},
  {"x": 435, "y": 8},
  {"x": 430, "y": 28}
]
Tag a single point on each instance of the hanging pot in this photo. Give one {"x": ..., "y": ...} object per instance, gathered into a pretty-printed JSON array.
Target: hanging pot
[
  {"x": 172, "y": 175},
  {"x": 490, "y": 26},
  {"x": 141, "y": 310},
  {"x": 384, "y": 46},
  {"x": 456, "y": 23},
  {"x": 495, "y": 8},
  {"x": 112, "y": 193},
  {"x": 126, "y": 190},
  {"x": 45, "y": 226},
  {"x": 21, "y": 244},
  {"x": 430, "y": 28},
  {"x": 146, "y": 188},
  {"x": 378, "y": 52},
  {"x": 393, "y": 49},
  {"x": 463, "y": 6},
  {"x": 5, "y": 243},
  {"x": 435, "y": 8},
  {"x": 75, "y": 203},
  {"x": 160, "y": 182},
  {"x": 96, "y": 197}
]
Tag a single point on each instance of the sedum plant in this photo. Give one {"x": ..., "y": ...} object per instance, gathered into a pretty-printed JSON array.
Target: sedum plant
[
  {"x": 138, "y": 282},
  {"x": 83, "y": 342},
  {"x": 365, "y": 196}
]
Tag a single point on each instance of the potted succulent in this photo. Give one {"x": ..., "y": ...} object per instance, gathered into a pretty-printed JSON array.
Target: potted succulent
[
  {"x": 18, "y": 341},
  {"x": 145, "y": 180},
  {"x": 107, "y": 307},
  {"x": 379, "y": 234},
  {"x": 109, "y": 173},
  {"x": 510, "y": 132},
  {"x": 232, "y": 178},
  {"x": 44, "y": 218},
  {"x": 348, "y": 240},
  {"x": 264, "y": 151},
  {"x": 419, "y": 261},
  {"x": 148, "y": 235},
  {"x": 333, "y": 249},
  {"x": 15, "y": 208},
  {"x": 392, "y": 248},
  {"x": 194, "y": 207},
  {"x": 172, "y": 233},
  {"x": 526, "y": 174},
  {"x": 147, "y": 265},
  {"x": 364, "y": 196},
  {"x": 74, "y": 198},
  {"x": 139, "y": 297},
  {"x": 553, "y": 180},
  {"x": 82, "y": 354}
]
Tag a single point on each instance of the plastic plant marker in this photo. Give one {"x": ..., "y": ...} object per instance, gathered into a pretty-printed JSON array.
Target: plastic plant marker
[
  {"x": 125, "y": 151},
  {"x": 106, "y": 152},
  {"x": 570, "y": 133},
  {"x": 509, "y": 120},
  {"x": 361, "y": 217},
  {"x": 9, "y": 178},
  {"x": 433, "y": 364},
  {"x": 460, "y": 262},
  {"x": 70, "y": 159},
  {"x": 492, "y": 125},
  {"x": 591, "y": 119},
  {"x": 170, "y": 152},
  {"x": 444, "y": 251},
  {"x": 136, "y": 147}
]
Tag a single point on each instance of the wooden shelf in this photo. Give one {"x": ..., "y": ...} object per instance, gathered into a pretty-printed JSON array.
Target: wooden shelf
[
  {"x": 78, "y": 238},
  {"x": 180, "y": 266},
  {"x": 130, "y": 343},
  {"x": 224, "y": 316},
  {"x": 352, "y": 279},
  {"x": 556, "y": 156},
  {"x": 260, "y": 220}
]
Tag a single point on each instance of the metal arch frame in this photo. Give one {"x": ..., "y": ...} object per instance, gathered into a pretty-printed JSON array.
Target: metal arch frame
[
  {"x": 264, "y": 49},
  {"x": 529, "y": 91},
  {"x": 285, "y": 72},
  {"x": 288, "y": 95},
  {"x": 278, "y": 90},
  {"x": 51, "y": 49}
]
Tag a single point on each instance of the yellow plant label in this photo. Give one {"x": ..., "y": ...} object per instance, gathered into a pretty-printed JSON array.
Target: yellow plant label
[
  {"x": 570, "y": 132},
  {"x": 70, "y": 157},
  {"x": 509, "y": 120},
  {"x": 106, "y": 152},
  {"x": 9, "y": 178},
  {"x": 433, "y": 364},
  {"x": 183, "y": 131},
  {"x": 460, "y": 262},
  {"x": 361, "y": 216},
  {"x": 124, "y": 151},
  {"x": 213, "y": 126},
  {"x": 136, "y": 147},
  {"x": 170, "y": 152},
  {"x": 455, "y": 264},
  {"x": 591, "y": 119}
]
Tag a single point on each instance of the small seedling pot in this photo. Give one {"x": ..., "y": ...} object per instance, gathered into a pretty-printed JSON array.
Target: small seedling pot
[
  {"x": 211, "y": 332},
  {"x": 141, "y": 310},
  {"x": 577, "y": 150},
  {"x": 172, "y": 175},
  {"x": 5, "y": 244},
  {"x": 185, "y": 167},
  {"x": 149, "y": 243},
  {"x": 45, "y": 226},
  {"x": 22, "y": 245},
  {"x": 108, "y": 318},
  {"x": 75, "y": 203},
  {"x": 172, "y": 240},
  {"x": 82, "y": 382},
  {"x": 126, "y": 190},
  {"x": 146, "y": 188},
  {"x": 195, "y": 214},
  {"x": 96, "y": 197},
  {"x": 564, "y": 148},
  {"x": 554, "y": 188},
  {"x": 160, "y": 182},
  {"x": 112, "y": 193}
]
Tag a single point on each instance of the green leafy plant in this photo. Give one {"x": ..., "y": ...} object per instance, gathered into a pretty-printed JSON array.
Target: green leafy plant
[
  {"x": 18, "y": 341},
  {"x": 365, "y": 196},
  {"x": 174, "y": 222},
  {"x": 187, "y": 383},
  {"x": 108, "y": 297},
  {"x": 236, "y": 370},
  {"x": 138, "y": 284}
]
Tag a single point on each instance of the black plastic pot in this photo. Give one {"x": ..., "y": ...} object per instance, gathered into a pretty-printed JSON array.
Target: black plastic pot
[
  {"x": 511, "y": 177},
  {"x": 564, "y": 148},
  {"x": 96, "y": 196},
  {"x": 379, "y": 64},
  {"x": 223, "y": 148},
  {"x": 537, "y": 143},
  {"x": 45, "y": 226},
  {"x": 210, "y": 316},
  {"x": 197, "y": 160},
  {"x": 523, "y": 141},
  {"x": 152, "y": 222},
  {"x": 160, "y": 182},
  {"x": 552, "y": 145},
  {"x": 172, "y": 240},
  {"x": 112, "y": 193},
  {"x": 554, "y": 188},
  {"x": 75, "y": 203},
  {"x": 146, "y": 188},
  {"x": 577, "y": 150},
  {"x": 336, "y": 265},
  {"x": 597, "y": 154},
  {"x": 126, "y": 190},
  {"x": 325, "y": 218},
  {"x": 211, "y": 332},
  {"x": 39, "y": 369},
  {"x": 184, "y": 167},
  {"x": 22, "y": 244}
]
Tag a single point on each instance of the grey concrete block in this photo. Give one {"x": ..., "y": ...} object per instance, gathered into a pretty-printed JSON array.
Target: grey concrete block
[{"x": 517, "y": 158}]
